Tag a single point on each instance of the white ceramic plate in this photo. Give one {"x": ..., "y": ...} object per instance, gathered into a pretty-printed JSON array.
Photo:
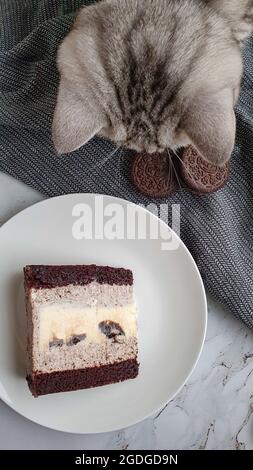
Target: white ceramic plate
[{"x": 169, "y": 293}]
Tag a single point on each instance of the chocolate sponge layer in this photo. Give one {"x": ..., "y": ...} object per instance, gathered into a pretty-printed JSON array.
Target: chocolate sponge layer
[
  {"x": 44, "y": 277},
  {"x": 71, "y": 380}
]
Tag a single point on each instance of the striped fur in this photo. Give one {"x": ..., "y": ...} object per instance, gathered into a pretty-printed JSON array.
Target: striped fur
[{"x": 153, "y": 74}]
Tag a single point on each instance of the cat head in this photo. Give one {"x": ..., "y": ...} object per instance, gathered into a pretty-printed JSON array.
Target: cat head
[{"x": 149, "y": 75}]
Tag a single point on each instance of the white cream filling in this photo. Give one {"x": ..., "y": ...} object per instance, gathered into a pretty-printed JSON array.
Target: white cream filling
[{"x": 63, "y": 320}]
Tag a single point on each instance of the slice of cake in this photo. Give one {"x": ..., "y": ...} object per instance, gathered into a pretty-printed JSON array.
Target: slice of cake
[{"x": 82, "y": 329}]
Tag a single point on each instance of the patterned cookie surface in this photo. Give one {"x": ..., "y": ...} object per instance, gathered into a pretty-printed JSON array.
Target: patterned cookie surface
[
  {"x": 153, "y": 176},
  {"x": 201, "y": 176}
]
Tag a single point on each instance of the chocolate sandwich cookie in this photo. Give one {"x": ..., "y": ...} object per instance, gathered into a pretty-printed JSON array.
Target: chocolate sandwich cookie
[
  {"x": 201, "y": 176},
  {"x": 153, "y": 176}
]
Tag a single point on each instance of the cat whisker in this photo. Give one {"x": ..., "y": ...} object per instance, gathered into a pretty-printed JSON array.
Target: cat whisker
[
  {"x": 105, "y": 160},
  {"x": 174, "y": 169},
  {"x": 119, "y": 167},
  {"x": 170, "y": 174},
  {"x": 182, "y": 162}
]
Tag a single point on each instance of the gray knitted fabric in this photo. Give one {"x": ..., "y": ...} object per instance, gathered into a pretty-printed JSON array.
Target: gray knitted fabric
[{"x": 217, "y": 229}]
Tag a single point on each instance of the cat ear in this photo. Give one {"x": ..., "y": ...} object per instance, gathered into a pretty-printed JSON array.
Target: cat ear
[
  {"x": 210, "y": 124},
  {"x": 75, "y": 120}
]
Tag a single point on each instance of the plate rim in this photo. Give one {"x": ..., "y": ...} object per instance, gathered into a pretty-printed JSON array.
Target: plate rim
[{"x": 47, "y": 200}]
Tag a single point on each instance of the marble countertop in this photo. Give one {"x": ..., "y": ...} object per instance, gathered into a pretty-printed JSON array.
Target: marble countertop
[{"x": 214, "y": 410}]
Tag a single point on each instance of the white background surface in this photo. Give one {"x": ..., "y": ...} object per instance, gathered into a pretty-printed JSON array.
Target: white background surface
[{"x": 213, "y": 411}]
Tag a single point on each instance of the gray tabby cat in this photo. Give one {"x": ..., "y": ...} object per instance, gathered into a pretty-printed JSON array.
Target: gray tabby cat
[{"x": 153, "y": 74}]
